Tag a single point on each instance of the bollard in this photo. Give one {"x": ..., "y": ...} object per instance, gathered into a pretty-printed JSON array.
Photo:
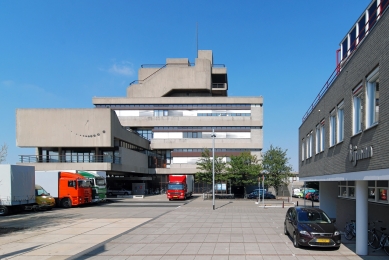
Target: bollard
[
  {"x": 297, "y": 203},
  {"x": 312, "y": 204},
  {"x": 283, "y": 203},
  {"x": 288, "y": 199}
]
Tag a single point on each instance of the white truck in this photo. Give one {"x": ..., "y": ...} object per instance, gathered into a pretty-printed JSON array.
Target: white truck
[{"x": 17, "y": 188}]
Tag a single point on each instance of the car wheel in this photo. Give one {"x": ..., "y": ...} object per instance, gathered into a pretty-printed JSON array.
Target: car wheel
[
  {"x": 126, "y": 193},
  {"x": 285, "y": 230},
  {"x": 295, "y": 243},
  {"x": 110, "y": 194}
]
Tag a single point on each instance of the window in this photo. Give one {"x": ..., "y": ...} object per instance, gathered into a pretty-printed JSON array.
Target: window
[
  {"x": 372, "y": 98},
  {"x": 309, "y": 140},
  {"x": 332, "y": 127},
  {"x": 322, "y": 136},
  {"x": 317, "y": 144},
  {"x": 302, "y": 150},
  {"x": 357, "y": 110},
  {"x": 340, "y": 123},
  {"x": 161, "y": 112}
]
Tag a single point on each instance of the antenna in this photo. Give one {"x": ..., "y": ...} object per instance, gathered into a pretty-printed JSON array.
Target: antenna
[{"x": 197, "y": 40}]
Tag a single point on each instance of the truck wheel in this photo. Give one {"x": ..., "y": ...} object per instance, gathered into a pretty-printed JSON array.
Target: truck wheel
[
  {"x": 3, "y": 211},
  {"x": 65, "y": 203}
]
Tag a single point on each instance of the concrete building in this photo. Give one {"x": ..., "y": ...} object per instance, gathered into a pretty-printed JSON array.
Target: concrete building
[
  {"x": 160, "y": 127},
  {"x": 344, "y": 142}
]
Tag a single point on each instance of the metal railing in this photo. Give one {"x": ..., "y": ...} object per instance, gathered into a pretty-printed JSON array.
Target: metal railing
[
  {"x": 70, "y": 159},
  {"x": 353, "y": 47},
  {"x": 160, "y": 66},
  {"x": 219, "y": 85}
]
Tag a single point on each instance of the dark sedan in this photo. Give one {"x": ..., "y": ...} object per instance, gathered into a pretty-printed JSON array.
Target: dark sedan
[
  {"x": 311, "y": 227},
  {"x": 254, "y": 195}
]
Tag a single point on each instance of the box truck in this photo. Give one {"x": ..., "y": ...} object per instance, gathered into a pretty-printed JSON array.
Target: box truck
[
  {"x": 68, "y": 189},
  {"x": 17, "y": 188},
  {"x": 180, "y": 187}
]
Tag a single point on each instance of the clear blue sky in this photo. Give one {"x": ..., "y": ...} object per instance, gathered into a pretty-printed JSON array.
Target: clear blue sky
[{"x": 59, "y": 54}]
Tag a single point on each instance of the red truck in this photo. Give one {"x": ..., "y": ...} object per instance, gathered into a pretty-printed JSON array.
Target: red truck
[{"x": 180, "y": 187}]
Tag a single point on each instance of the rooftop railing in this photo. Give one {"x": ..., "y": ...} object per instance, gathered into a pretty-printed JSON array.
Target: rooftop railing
[
  {"x": 369, "y": 25},
  {"x": 161, "y": 66}
]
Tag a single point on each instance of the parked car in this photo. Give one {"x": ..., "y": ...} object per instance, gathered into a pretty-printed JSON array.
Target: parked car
[
  {"x": 268, "y": 195},
  {"x": 254, "y": 195},
  {"x": 303, "y": 193},
  {"x": 121, "y": 191},
  {"x": 311, "y": 227},
  {"x": 316, "y": 196}
]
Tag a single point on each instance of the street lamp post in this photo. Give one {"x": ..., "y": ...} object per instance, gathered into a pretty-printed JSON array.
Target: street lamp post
[{"x": 213, "y": 168}]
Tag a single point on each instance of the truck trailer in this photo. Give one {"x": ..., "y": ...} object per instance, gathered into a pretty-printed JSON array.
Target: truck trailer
[
  {"x": 68, "y": 189},
  {"x": 180, "y": 187},
  {"x": 17, "y": 188}
]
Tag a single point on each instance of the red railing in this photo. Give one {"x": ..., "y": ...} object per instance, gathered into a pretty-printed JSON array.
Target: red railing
[{"x": 353, "y": 46}]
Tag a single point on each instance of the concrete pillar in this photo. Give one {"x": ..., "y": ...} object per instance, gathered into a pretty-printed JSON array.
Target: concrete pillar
[
  {"x": 361, "y": 217},
  {"x": 328, "y": 193}
]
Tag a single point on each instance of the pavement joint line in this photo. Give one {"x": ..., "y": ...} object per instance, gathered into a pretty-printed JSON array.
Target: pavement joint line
[
  {"x": 43, "y": 246},
  {"x": 86, "y": 251}
]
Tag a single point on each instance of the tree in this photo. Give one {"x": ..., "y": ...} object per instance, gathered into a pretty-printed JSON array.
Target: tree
[
  {"x": 276, "y": 166},
  {"x": 204, "y": 164},
  {"x": 3, "y": 152},
  {"x": 244, "y": 169}
]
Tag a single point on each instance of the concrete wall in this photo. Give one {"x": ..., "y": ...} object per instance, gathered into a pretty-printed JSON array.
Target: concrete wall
[
  {"x": 71, "y": 128},
  {"x": 63, "y": 128},
  {"x": 328, "y": 193},
  {"x": 173, "y": 76},
  {"x": 131, "y": 161}
]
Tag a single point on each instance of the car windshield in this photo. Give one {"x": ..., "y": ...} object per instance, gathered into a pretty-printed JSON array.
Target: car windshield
[
  {"x": 175, "y": 187},
  {"x": 41, "y": 192},
  {"x": 313, "y": 217}
]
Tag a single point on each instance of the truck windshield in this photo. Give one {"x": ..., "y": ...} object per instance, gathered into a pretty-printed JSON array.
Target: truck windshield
[
  {"x": 100, "y": 182},
  {"x": 84, "y": 183},
  {"x": 175, "y": 187}
]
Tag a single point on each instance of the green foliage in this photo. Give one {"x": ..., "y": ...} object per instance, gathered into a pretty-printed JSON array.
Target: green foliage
[
  {"x": 204, "y": 165},
  {"x": 276, "y": 167},
  {"x": 243, "y": 169}
]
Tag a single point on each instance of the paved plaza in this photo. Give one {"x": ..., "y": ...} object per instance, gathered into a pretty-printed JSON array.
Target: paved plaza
[{"x": 154, "y": 228}]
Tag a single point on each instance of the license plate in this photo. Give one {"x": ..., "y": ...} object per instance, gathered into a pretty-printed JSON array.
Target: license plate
[{"x": 323, "y": 240}]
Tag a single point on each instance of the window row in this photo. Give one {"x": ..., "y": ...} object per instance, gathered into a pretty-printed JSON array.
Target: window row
[
  {"x": 362, "y": 27},
  {"x": 189, "y": 150},
  {"x": 365, "y": 114},
  {"x": 205, "y": 135},
  {"x": 207, "y": 127},
  {"x": 377, "y": 190},
  {"x": 181, "y": 113},
  {"x": 172, "y": 105}
]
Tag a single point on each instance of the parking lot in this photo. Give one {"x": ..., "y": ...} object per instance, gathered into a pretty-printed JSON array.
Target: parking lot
[{"x": 154, "y": 228}]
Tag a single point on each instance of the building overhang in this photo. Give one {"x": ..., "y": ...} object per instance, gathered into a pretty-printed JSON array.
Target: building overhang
[{"x": 375, "y": 175}]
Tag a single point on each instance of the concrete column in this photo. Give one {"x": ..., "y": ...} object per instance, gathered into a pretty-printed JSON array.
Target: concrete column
[
  {"x": 361, "y": 217},
  {"x": 328, "y": 193}
]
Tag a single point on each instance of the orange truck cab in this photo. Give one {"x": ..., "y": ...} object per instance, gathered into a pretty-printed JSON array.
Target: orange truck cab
[{"x": 68, "y": 189}]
